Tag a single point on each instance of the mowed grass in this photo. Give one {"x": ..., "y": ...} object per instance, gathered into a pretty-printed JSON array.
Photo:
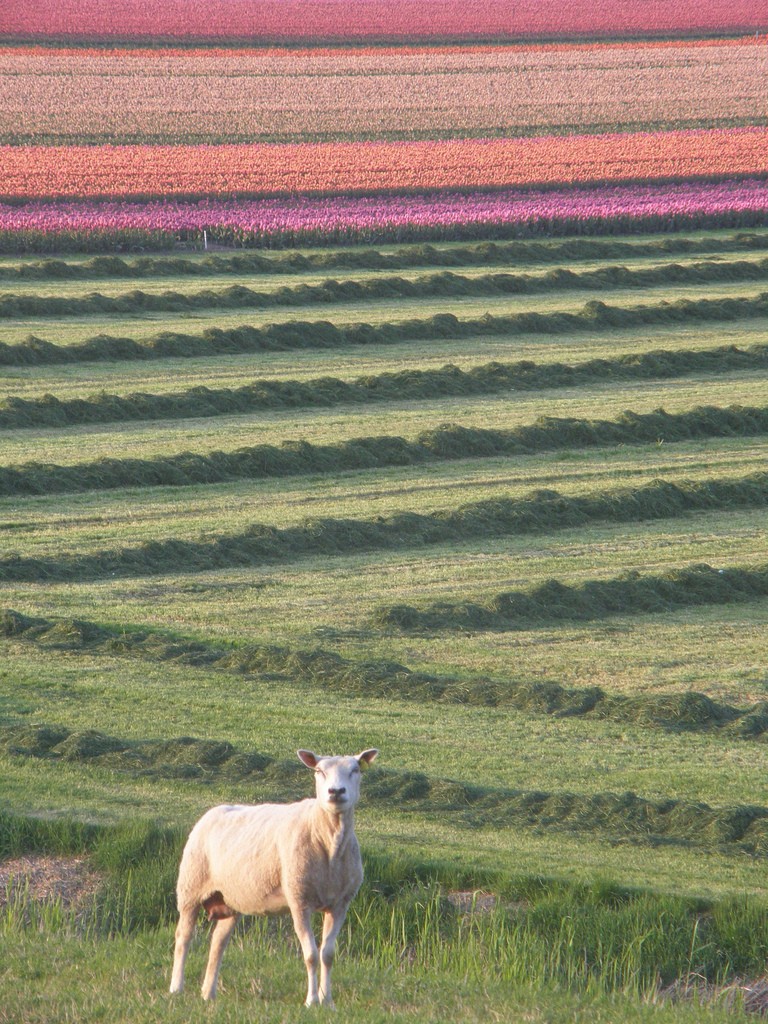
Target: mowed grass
[
  {"x": 150, "y": 438},
  {"x": 140, "y": 325},
  {"x": 328, "y": 601},
  {"x": 84, "y": 379}
]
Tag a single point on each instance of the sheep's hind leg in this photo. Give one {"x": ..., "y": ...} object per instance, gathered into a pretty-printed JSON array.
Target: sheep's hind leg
[
  {"x": 185, "y": 929},
  {"x": 220, "y": 937}
]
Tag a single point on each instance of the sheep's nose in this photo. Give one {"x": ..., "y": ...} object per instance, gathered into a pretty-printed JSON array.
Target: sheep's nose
[{"x": 334, "y": 794}]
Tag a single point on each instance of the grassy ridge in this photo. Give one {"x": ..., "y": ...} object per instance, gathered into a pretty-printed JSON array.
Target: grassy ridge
[
  {"x": 539, "y": 513},
  {"x": 297, "y": 335},
  {"x": 485, "y": 379},
  {"x": 447, "y": 442},
  {"x": 327, "y": 670},
  {"x": 444, "y": 283},
  {"x": 480, "y": 254},
  {"x": 614, "y": 938}
]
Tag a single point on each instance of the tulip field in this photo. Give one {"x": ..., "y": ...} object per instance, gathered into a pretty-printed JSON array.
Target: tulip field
[
  {"x": 283, "y": 20},
  {"x": 113, "y": 96},
  {"x": 388, "y": 374}
]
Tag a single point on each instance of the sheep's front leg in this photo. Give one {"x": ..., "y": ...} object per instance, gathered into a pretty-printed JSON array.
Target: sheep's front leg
[
  {"x": 332, "y": 922},
  {"x": 220, "y": 937},
  {"x": 302, "y": 922},
  {"x": 184, "y": 932}
]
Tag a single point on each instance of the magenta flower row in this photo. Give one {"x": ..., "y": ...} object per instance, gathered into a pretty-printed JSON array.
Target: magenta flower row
[{"x": 391, "y": 215}]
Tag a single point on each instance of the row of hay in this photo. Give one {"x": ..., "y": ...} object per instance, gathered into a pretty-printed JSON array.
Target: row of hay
[
  {"x": 553, "y": 601},
  {"x": 481, "y": 254},
  {"x": 675, "y": 712},
  {"x": 440, "y": 284},
  {"x": 259, "y": 544},
  {"x": 487, "y": 378},
  {"x": 624, "y": 815},
  {"x": 447, "y": 442},
  {"x": 296, "y": 334}
]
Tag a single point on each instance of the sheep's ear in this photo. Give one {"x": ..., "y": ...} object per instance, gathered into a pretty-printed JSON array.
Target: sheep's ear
[
  {"x": 367, "y": 756},
  {"x": 308, "y": 758}
]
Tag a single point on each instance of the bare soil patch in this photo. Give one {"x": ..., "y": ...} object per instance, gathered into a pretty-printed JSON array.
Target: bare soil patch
[{"x": 45, "y": 878}]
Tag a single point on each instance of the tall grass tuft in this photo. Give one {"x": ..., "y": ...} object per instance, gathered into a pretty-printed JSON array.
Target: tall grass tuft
[{"x": 586, "y": 939}]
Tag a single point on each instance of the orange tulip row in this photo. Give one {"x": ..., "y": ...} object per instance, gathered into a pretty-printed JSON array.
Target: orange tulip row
[{"x": 343, "y": 168}]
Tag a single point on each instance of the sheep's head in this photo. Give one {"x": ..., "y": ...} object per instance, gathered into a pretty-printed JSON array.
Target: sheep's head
[{"x": 337, "y": 779}]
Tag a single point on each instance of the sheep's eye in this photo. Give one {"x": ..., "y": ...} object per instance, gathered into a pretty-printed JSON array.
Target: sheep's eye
[{"x": 320, "y": 772}]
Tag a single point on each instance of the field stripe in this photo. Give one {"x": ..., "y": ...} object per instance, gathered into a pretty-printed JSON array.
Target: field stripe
[
  {"x": 485, "y": 379},
  {"x": 590, "y": 600},
  {"x": 726, "y": 829},
  {"x": 676, "y": 712},
  {"x": 296, "y": 334},
  {"x": 448, "y": 442},
  {"x": 262, "y": 544},
  {"x": 390, "y": 217},
  {"x": 407, "y": 257},
  {"x": 334, "y": 21},
  {"x": 218, "y": 96},
  {"x": 329, "y": 168},
  {"x": 428, "y": 285}
]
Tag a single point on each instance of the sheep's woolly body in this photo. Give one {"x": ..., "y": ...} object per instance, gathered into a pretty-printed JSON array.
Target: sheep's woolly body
[
  {"x": 300, "y": 858},
  {"x": 260, "y": 858}
]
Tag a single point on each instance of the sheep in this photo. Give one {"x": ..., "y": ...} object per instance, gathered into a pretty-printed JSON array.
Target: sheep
[{"x": 271, "y": 858}]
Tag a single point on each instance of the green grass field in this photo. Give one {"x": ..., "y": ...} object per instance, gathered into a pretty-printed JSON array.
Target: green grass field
[{"x": 400, "y": 536}]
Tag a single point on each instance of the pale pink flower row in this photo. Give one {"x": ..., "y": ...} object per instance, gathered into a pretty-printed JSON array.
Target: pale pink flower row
[{"x": 119, "y": 95}]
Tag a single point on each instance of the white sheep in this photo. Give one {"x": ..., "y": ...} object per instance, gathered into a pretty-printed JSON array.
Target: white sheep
[{"x": 270, "y": 858}]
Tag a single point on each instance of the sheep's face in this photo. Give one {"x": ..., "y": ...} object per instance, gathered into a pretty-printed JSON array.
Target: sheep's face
[{"x": 337, "y": 779}]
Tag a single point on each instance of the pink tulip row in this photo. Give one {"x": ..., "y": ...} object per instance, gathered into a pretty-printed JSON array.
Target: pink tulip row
[
  {"x": 388, "y": 19},
  {"x": 289, "y": 221}
]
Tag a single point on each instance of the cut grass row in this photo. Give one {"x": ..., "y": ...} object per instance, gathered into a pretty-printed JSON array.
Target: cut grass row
[
  {"x": 443, "y": 284},
  {"x": 324, "y": 670},
  {"x": 51, "y": 525},
  {"x": 86, "y": 380},
  {"x": 526, "y": 253},
  {"x": 417, "y": 284},
  {"x": 448, "y": 381},
  {"x": 327, "y": 601},
  {"x": 332, "y": 291},
  {"x": 448, "y": 442},
  {"x": 538, "y": 513},
  {"x": 627, "y": 816},
  {"x": 589, "y": 600},
  {"x": 297, "y": 335},
  {"x": 140, "y": 690}
]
